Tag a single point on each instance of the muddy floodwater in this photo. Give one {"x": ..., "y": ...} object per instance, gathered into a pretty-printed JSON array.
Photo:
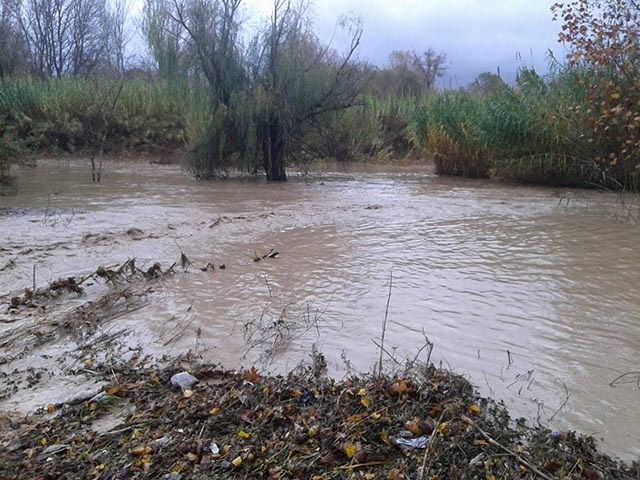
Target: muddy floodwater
[{"x": 530, "y": 292}]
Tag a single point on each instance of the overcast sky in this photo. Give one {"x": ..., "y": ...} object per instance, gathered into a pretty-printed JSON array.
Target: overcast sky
[{"x": 477, "y": 35}]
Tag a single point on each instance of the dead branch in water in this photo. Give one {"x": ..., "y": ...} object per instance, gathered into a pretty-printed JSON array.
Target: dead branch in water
[{"x": 629, "y": 377}]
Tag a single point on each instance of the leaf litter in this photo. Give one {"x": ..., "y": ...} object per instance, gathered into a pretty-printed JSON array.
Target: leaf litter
[{"x": 428, "y": 423}]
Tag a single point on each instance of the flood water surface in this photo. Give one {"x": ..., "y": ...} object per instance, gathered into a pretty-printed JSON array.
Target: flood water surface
[{"x": 530, "y": 292}]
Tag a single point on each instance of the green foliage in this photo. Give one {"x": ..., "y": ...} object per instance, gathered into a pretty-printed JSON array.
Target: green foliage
[
  {"x": 61, "y": 115},
  {"x": 533, "y": 132},
  {"x": 603, "y": 39}
]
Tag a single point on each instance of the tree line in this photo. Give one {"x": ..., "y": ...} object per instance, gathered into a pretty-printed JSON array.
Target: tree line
[
  {"x": 260, "y": 98},
  {"x": 272, "y": 93}
]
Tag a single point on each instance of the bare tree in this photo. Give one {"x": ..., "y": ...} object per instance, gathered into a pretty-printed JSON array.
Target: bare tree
[
  {"x": 64, "y": 37},
  {"x": 12, "y": 47},
  {"x": 118, "y": 33},
  {"x": 413, "y": 73}
]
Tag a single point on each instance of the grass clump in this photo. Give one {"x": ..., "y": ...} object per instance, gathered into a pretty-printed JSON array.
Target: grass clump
[
  {"x": 62, "y": 115},
  {"x": 533, "y": 132}
]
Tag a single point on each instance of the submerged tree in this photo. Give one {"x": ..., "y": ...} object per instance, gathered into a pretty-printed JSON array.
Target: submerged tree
[
  {"x": 298, "y": 83},
  {"x": 265, "y": 98}
]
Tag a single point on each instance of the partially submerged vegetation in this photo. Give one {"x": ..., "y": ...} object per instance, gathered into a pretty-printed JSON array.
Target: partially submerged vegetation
[{"x": 284, "y": 98}]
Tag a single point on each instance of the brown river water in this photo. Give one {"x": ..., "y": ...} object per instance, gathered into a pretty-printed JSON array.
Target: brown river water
[{"x": 532, "y": 293}]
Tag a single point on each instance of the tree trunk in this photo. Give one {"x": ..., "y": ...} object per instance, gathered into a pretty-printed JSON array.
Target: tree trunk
[{"x": 273, "y": 151}]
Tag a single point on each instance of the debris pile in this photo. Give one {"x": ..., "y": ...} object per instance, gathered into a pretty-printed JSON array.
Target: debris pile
[{"x": 212, "y": 423}]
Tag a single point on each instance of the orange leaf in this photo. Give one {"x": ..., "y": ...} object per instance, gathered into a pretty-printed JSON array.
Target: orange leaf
[
  {"x": 398, "y": 388},
  {"x": 252, "y": 375}
]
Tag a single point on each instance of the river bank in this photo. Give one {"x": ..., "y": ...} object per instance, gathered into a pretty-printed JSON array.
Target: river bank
[{"x": 424, "y": 424}]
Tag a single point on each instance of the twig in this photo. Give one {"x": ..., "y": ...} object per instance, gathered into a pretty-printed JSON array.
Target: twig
[
  {"x": 359, "y": 465},
  {"x": 384, "y": 323},
  {"x": 423, "y": 470},
  {"x": 491, "y": 441},
  {"x": 566, "y": 399},
  {"x": 628, "y": 374},
  {"x": 382, "y": 349}
]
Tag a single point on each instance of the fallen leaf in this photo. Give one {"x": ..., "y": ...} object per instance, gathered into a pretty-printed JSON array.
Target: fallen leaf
[
  {"x": 413, "y": 427},
  {"x": 51, "y": 408},
  {"x": 139, "y": 451},
  {"x": 366, "y": 402},
  {"x": 362, "y": 392},
  {"x": 192, "y": 456},
  {"x": 474, "y": 409},
  {"x": 350, "y": 450},
  {"x": 237, "y": 461},
  {"x": 114, "y": 390},
  {"x": 443, "y": 429},
  {"x": 398, "y": 388},
  {"x": 244, "y": 435},
  {"x": 252, "y": 376}
]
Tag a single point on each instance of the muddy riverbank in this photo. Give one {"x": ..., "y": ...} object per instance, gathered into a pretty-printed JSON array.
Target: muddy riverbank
[{"x": 529, "y": 291}]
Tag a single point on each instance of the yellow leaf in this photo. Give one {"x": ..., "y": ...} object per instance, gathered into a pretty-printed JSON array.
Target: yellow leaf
[
  {"x": 155, "y": 379},
  {"x": 443, "y": 429},
  {"x": 139, "y": 451},
  {"x": 491, "y": 477},
  {"x": 384, "y": 437},
  {"x": 88, "y": 362},
  {"x": 192, "y": 456},
  {"x": 369, "y": 476},
  {"x": 244, "y": 435},
  {"x": 266, "y": 391},
  {"x": 214, "y": 411},
  {"x": 146, "y": 459},
  {"x": 114, "y": 390},
  {"x": 43, "y": 441},
  {"x": 365, "y": 401},
  {"x": 615, "y": 96},
  {"x": 51, "y": 408},
  {"x": 350, "y": 450},
  {"x": 479, "y": 443},
  {"x": 413, "y": 427},
  {"x": 474, "y": 409},
  {"x": 376, "y": 416},
  {"x": 297, "y": 393},
  {"x": 356, "y": 418},
  {"x": 319, "y": 477},
  {"x": 237, "y": 461},
  {"x": 362, "y": 392}
]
